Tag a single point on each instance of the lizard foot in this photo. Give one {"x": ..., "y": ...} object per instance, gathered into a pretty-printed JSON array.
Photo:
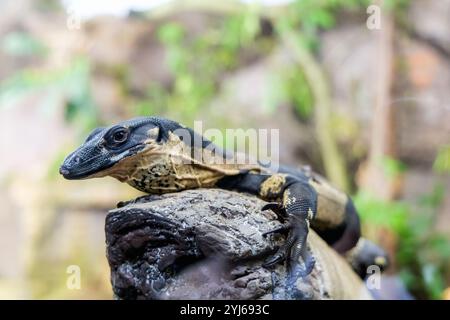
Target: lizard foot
[{"x": 299, "y": 261}]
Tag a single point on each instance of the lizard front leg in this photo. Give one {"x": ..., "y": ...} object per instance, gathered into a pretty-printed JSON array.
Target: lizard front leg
[
  {"x": 296, "y": 210},
  {"x": 299, "y": 202}
]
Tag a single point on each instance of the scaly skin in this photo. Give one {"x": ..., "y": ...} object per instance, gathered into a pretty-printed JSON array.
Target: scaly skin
[{"x": 156, "y": 155}]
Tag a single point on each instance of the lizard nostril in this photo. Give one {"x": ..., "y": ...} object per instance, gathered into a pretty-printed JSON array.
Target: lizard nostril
[
  {"x": 63, "y": 171},
  {"x": 76, "y": 160}
]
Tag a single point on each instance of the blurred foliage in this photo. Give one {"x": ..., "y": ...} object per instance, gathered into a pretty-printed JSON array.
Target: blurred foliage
[
  {"x": 70, "y": 83},
  {"x": 423, "y": 254},
  {"x": 197, "y": 64},
  {"x": 308, "y": 18},
  {"x": 51, "y": 279},
  {"x": 289, "y": 86},
  {"x": 22, "y": 44},
  {"x": 311, "y": 16},
  {"x": 392, "y": 167},
  {"x": 442, "y": 162}
]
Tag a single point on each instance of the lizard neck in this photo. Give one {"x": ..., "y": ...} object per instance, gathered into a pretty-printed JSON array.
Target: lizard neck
[{"x": 174, "y": 166}]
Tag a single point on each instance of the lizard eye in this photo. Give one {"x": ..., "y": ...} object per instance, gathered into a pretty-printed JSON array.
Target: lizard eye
[
  {"x": 120, "y": 136},
  {"x": 117, "y": 137}
]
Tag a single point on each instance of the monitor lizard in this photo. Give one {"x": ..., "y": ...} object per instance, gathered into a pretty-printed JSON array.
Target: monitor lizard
[{"x": 157, "y": 155}]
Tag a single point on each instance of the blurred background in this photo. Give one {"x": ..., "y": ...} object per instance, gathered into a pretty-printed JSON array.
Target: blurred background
[{"x": 360, "y": 90}]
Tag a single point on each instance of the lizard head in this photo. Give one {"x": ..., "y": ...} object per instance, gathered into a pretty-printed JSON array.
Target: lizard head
[{"x": 107, "y": 150}]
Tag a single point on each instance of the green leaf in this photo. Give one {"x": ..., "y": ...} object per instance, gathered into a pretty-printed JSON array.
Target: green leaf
[
  {"x": 435, "y": 198},
  {"x": 392, "y": 167},
  {"x": 171, "y": 33},
  {"x": 322, "y": 18},
  {"x": 442, "y": 162}
]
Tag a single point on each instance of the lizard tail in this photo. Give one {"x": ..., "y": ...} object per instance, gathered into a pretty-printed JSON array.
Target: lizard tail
[{"x": 366, "y": 255}]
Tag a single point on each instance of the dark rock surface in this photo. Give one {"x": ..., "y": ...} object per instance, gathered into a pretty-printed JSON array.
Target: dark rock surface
[{"x": 208, "y": 244}]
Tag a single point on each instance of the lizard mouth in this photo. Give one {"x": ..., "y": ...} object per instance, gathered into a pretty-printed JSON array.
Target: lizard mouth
[
  {"x": 71, "y": 174},
  {"x": 76, "y": 167}
]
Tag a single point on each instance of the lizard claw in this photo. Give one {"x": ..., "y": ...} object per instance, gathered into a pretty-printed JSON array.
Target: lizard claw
[
  {"x": 293, "y": 250},
  {"x": 303, "y": 267},
  {"x": 273, "y": 260},
  {"x": 154, "y": 288},
  {"x": 281, "y": 229},
  {"x": 277, "y": 209}
]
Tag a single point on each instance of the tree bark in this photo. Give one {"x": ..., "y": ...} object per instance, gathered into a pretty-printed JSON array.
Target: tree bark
[{"x": 208, "y": 244}]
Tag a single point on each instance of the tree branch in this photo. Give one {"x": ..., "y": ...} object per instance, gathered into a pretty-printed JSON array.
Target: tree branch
[{"x": 209, "y": 244}]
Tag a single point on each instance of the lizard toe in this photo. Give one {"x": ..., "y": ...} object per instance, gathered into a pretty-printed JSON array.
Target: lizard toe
[
  {"x": 282, "y": 229},
  {"x": 277, "y": 209},
  {"x": 273, "y": 260}
]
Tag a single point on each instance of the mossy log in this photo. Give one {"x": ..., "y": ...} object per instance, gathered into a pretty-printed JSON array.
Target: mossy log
[{"x": 209, "y": 244}]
